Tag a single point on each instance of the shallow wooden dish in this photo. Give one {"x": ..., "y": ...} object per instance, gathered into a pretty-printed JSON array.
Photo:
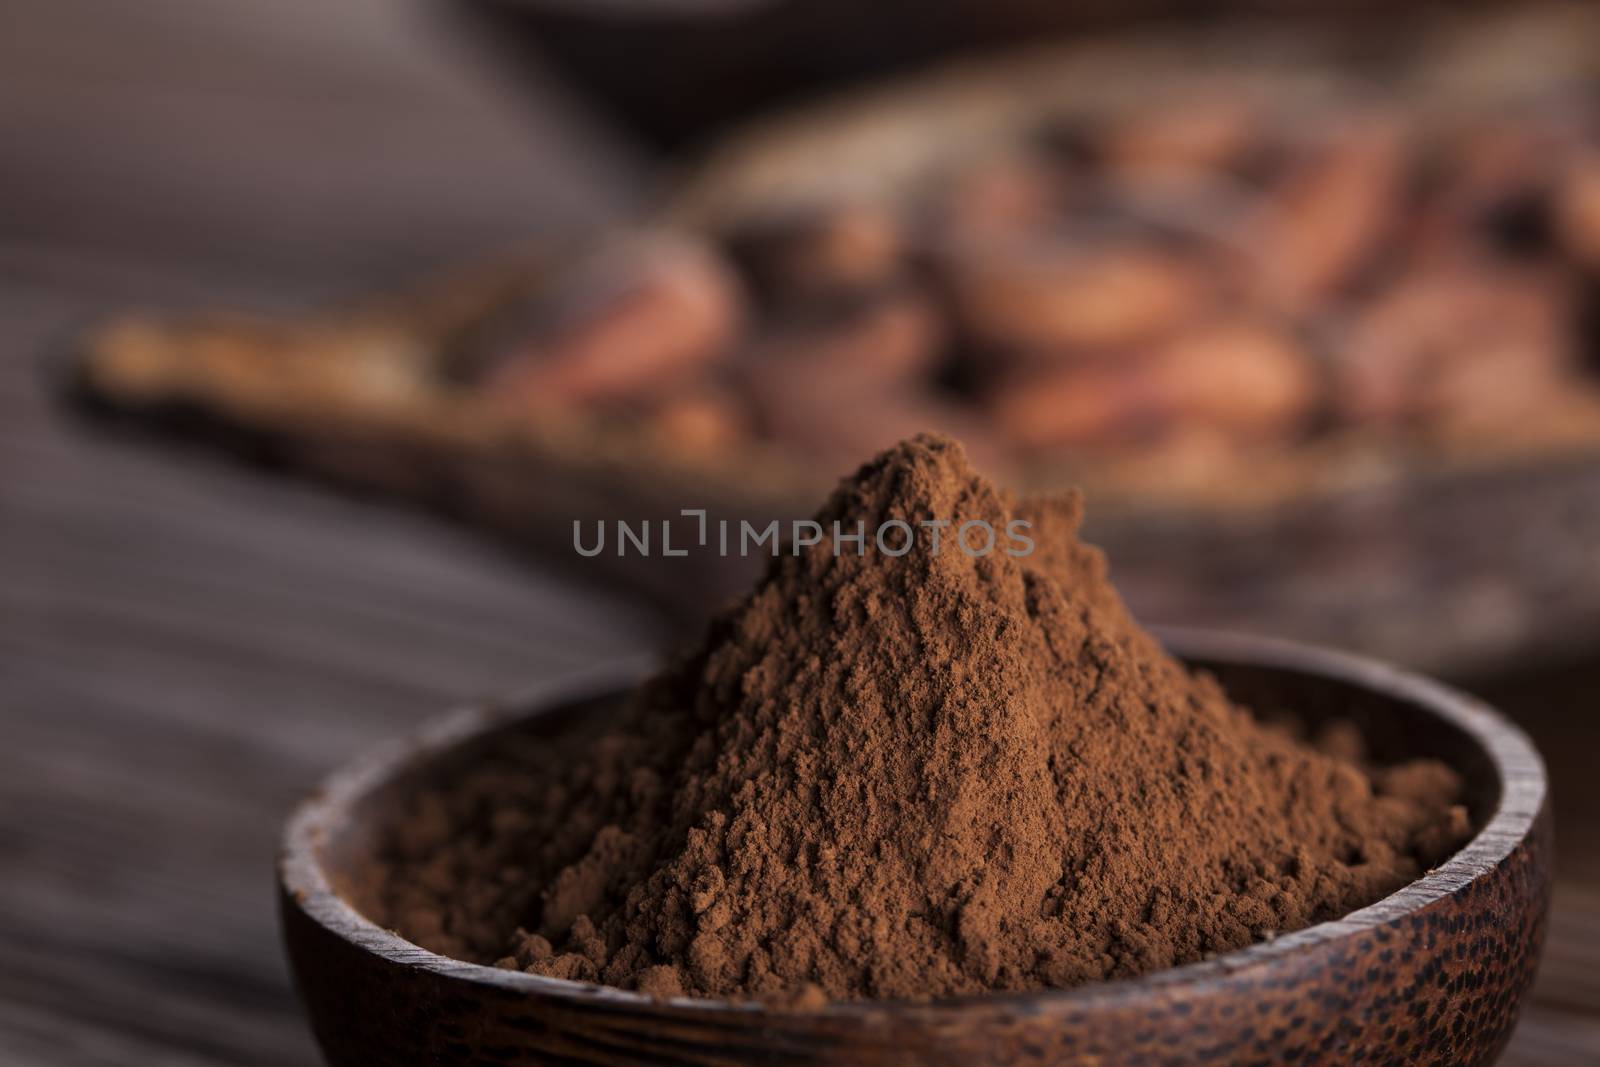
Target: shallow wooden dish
[{"x": 1434, "y": 973}]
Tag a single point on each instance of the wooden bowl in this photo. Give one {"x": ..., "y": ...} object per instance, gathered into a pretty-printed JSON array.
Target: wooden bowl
[{"x": 1434, "y": 973}]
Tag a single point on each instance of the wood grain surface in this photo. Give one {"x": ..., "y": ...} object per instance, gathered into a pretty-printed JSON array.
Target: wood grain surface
[{"x": 184, "y": 648}]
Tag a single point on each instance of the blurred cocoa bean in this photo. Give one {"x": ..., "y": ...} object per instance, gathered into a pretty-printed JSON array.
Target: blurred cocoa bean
[
  {"x": 1181, "y": 138},
  {"x": 1317, "y": 231},
  {"x": 640, "y": 319},
  {"x": 1247, "y": 379},
  {"x": 800, "y": 253},
  {"x": 1241, "y": 379},
  {"x": 1002, "y": 199},
  {"x": 832, "y": 422},
  {"x": 706, "y": 420},
  {"x": 1496, "y": 384},
  {"x": 1486, "y": 190},
  {"x": 1439, "y": 341},
  {"x": 1045, "y": 303},
  {"x": 1096, "y": 403},
  {"x": 894, "y": 338},
  {"x": 1577, "y": 211}
]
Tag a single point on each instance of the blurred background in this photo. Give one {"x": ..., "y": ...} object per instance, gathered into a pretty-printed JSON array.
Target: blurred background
[{"x": 322, "y": 323}]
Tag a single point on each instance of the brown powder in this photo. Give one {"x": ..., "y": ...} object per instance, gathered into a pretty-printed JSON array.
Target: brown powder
[{"x": 910, "y": 777}]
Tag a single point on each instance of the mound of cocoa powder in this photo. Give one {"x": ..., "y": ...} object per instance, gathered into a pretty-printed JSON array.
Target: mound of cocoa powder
[{"x": 913, "y": 776}]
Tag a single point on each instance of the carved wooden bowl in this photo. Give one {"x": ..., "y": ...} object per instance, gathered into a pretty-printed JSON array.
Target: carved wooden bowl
[{"x": 1434, "y": 973}]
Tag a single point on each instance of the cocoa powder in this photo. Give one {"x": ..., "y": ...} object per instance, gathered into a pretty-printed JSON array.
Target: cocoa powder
[{"x": 910, "y": 777}]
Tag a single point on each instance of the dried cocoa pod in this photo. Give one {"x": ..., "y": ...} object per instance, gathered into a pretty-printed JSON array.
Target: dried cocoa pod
[
  {"x": 639, "y": 319},
  {"x": 254, "y": 369},
  {"x": 1577, "y": 211},
  {"x": 1043, "y": 304},
  {"x": 888, "y": 339},
  {"x": 1326, "y": 222},
  {"x": 1437, "y": 340},
  {"x": 797, "y": 253}
]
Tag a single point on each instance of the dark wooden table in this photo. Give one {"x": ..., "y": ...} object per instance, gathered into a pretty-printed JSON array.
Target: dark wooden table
[{"x": 183, "y": 648}]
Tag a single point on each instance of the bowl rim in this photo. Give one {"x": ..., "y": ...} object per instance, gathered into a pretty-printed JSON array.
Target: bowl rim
[{"x": 303, "y": 880}]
